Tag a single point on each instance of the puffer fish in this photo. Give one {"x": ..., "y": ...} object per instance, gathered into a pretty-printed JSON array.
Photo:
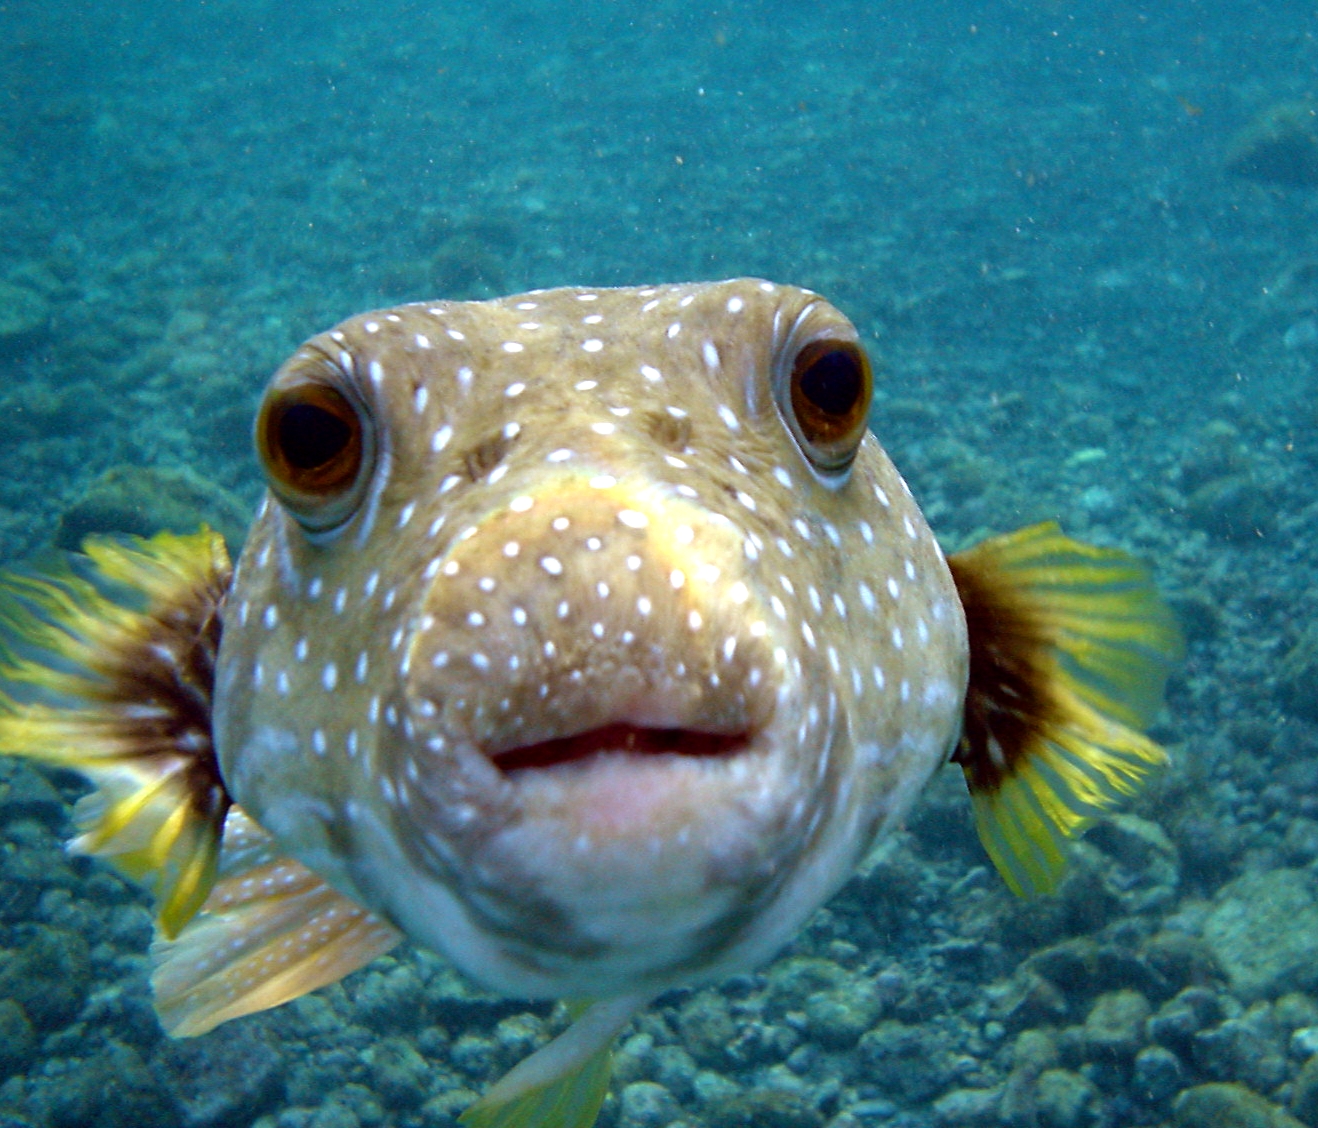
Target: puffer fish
[{"x": 587, "y": 637}]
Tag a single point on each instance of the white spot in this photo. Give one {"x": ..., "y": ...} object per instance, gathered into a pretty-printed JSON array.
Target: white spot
[
  {"x": 729, "y": 418},
  {"x": 422, "y": 341},
  {"x": 592, "y": 344},
  {"x": 456, "y": 334},
  {"x": 552, "y": 565},
  {"x": 513, "y": 346},
  {"x": 586, "y": 385},
  {"x": 693, "y": 620},
  {"x": 511, "y": 549},
  {"x": 633, "y": 519},
  {"x": 519, "y": 616},
  {"x": 270, "y": 617},
  {"x": 603, "y": 427},
  {"x": 643, "y": 605},
  {"x": 738, "y": 592},
  {"x": 475, "y": 619},
  {"x": 562, "y": 454},
  {"x": 883, "y": 497},
  {"x": 677, "y": 578},
  {"x": 521, "y": 503},
  {"x": 735, "y": 304},
  {"x": 449, "y": 483},
  {"x": 515, "y": 389},
  {"x": 897, "y": 638},
  {"x": 440, "y": 439},
  {"x": 651, "y": 373},
  {"x": 300, "y": 650},
  {"x": 603, "y": 481},
  {"x": 419, "y": 399},
  {"x": 746, "y": 500},
  {"x": 633, "y": 563},
  {"x": 893, "y": 589},
  {"x": 405, "y": 514},
  {"x": 329, "y": 676},
  {"x": 673, "y": 330}
]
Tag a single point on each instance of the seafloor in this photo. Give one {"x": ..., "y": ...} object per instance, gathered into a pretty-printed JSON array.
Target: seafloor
[{"x": 1096, "y": 300}]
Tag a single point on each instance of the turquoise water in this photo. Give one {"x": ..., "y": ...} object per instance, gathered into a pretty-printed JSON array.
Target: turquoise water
[{"x": 1095, "y": 296}]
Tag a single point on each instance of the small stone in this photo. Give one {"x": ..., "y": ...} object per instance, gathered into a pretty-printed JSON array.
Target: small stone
[
  {"x": 18, "y": 1042},
  {"x": 1304, "y": 1096},
  {"x": 967, "y": 1107},
  {"x": 1228, "y": 1105},
  {"x": 1115, "y": 1026},
  {"x": 49, "y": 976},
  {"x": 24, "y": 319},
  {"x": 764, "y": 1108},
  {"x": 707, "y": 1029},
  {"x": 1066, "y": 1099},
  {"x": 1264, "y": 932},
  {"x": 1157, "y": 1075},
  {"x": 399, "y": 1075},
  {"x": 646, "y": 1104}
]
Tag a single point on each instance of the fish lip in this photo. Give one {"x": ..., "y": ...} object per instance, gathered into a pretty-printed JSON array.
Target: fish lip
[{"x": 621, "y": 738}]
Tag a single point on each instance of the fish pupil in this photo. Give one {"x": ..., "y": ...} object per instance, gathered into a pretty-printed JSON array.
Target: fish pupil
[
  {"x": 309, "y": 436},
  {"x": 833, "y": 382}
]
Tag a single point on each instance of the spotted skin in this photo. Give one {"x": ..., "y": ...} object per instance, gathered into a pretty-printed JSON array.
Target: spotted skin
[{"x": 587, "y": 518}]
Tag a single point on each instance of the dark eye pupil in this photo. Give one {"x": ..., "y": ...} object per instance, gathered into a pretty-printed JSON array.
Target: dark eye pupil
[
  {"x": 309, "y": 436},
  {"x": 833, "y": 382}
]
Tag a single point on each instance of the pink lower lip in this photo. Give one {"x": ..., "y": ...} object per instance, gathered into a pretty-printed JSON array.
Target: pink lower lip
[{"x": 619, "y": 737}]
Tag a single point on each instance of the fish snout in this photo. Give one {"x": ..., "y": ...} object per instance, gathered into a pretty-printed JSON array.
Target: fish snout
[{"x": 586, "y": 620}]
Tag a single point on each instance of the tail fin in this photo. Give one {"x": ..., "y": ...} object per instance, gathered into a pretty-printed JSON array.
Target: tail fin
[
  {"x": 1070, "y": 648},
  {"x": 108, "y": 671}
]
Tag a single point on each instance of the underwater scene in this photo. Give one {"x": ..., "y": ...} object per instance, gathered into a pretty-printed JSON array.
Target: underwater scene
[{"x": 581, "y": 645}]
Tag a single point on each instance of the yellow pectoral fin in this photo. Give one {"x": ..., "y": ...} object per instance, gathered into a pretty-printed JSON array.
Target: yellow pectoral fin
[
  {"x": 107, "y": 665},
  {"x": 1070, "y": 647},
  {"x": 563, "y": 1084},
  {"x": 270, "y": 930}
]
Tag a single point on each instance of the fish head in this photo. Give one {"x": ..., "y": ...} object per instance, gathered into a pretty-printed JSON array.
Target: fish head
[{"x": 586, "y": 635}]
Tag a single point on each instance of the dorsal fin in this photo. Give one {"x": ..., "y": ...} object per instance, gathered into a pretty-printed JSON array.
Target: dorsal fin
[{"x": 1070, "y": 647}]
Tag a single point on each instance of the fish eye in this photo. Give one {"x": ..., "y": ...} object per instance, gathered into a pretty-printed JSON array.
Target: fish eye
[
  {"x": 313, "y": 443},
  {"x": 830, "y": 388}
]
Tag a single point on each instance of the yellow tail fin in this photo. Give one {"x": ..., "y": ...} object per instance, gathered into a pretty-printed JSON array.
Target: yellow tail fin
[
  {"x": 109, "y": 672},
  {"x": 1070, "y": 648}
]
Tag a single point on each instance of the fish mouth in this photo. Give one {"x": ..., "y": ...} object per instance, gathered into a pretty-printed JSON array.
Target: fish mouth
[{"x": 620, "y": 738}]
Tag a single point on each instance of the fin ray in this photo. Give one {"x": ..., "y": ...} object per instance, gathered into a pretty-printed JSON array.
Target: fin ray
[{"x": 1070, "y": 649}]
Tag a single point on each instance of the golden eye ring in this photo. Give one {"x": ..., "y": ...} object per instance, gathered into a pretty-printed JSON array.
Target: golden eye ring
[
  {"x": 829, "y": 392},
  {"x": 314, "y": 443}
]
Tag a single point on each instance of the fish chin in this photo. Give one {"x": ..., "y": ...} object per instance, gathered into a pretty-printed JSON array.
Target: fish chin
[{"x": 618, "y": 865}]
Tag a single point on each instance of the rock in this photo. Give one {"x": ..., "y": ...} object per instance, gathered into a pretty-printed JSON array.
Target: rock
[
  {"x": 707, "y": 1029},
  {"x": 1237, "y": 508},
  {"x": 1034, "y": 1051},
  {"x": 1066, "y": 1099},
  {"x": 1280, "y": 146},
  {"x": 390, "y": 998},
  {"x": 113, "y": 1089},
  {"x": 1264, "y": 933},
  {"x": 143, "y": 500},
  {"x": 1297, "y": 676},
  {"x": 18, "y": 1041},
  {"x": 646, "y": 1104},
  {"x": 24, "y": 319},
  {"x": 1248, "y": 1049},
  {"x": 27, "y": 794},
  {"x": 399, "y": 1075},
  {"x": 225, "y": 1081},
  {"x": 1228, "y": 1105},
  {"x": 1158, "y": 1074},
  {"x": 1304, "y": 1095},
  {"x": 764, "y": 1108},
  {"x": 967, "y": 1107},
  {"x": 903, "y": 1062},
  {"x": 49, "y": 976},
  {"x": 1178, "y": 1020},
  {"x": 1115, "y": 1025},
  {"x": 837, "y": 1018}
]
